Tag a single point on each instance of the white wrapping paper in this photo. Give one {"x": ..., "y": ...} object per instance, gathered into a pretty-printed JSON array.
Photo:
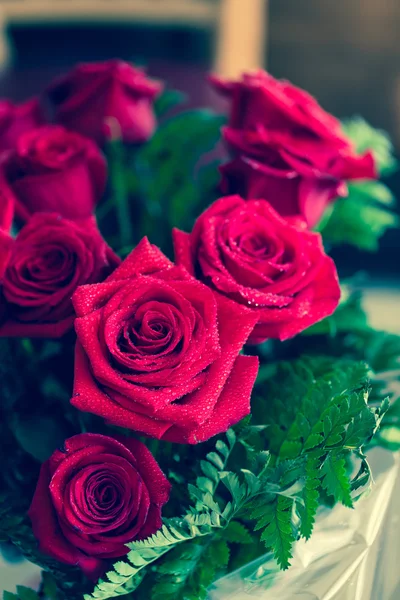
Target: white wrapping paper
[{"x": 352, "y": 554}]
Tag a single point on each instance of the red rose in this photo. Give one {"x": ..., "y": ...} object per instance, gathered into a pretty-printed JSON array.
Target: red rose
[
  {"x": 16, "y": 119},
  {"x": 158, "y": 353},
  {"x": 298, "y": 152},
  {"x": 246, "y": 251},
  {"x": 291, "y": 192},
  {"x": 93, "y": 497},
  {"x": 55, "y": 170},
  {"x": 92, "y": 93},
  {"x": 48, "y": 259}
]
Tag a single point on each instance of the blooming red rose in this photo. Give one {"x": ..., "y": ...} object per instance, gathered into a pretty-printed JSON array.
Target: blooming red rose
[
  {"x": 16, "y": 119},
  {"x": 246, "y": 251},
  {"x": 295, "y": 154},
  {"x": 94, "y": 496},
  {"x": 158, "y": 352},
  {"x": 46, "y": 262},
  {"x": 91, "y": 93},
  {"x": 55, "y": 170}
]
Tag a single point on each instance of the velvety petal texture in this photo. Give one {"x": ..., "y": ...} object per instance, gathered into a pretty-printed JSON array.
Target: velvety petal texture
[
  {"x": 158, "y": 351},
  {"x": 250, "y": 254},
  {"x": 94, "y": 496},
  {"x": 54, "y": 170},
  {"x": 42, "y": 267},
  {"x": 16, "y": 119},
  {"x": 90, "y": 95},
  {"x": 286, "y": 148}
]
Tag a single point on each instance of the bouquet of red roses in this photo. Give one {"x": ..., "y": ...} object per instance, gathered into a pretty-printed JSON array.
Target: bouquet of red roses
[{"x": 183, "y": 383}]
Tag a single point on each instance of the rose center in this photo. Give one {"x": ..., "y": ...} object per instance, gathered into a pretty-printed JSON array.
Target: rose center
[
  {"x": 54, "y": 265},
  {"x": 104, "y": 493},
  {"x": 253, "y": 245},
  {"x": 148, "y": 333}
]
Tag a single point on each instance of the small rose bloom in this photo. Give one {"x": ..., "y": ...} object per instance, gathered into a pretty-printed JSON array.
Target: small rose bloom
[
  {"x": 86, "y": 98},
  {"x": 55, "y": 170},
  {"x": 159, "y": 353},
  {"x": 247, "y": 252},
  {"x": 94, "y": 496},
  {"x": 293, "y": 153},
  {"x": 16, "y": 119},
  {"x": 47, "y": 261}
]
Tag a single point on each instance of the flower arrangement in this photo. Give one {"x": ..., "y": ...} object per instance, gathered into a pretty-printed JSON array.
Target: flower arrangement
[{"x": 184, "y": 380}]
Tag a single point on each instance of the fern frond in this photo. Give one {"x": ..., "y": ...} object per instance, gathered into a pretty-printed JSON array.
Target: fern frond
[
  {"x": 276, "y": 523},
  {"x": 335, "y": 480}
]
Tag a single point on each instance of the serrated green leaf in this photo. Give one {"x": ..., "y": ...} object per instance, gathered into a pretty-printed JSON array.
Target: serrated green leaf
[
  {"x": 335, "y": 479},
  {"x": 237, "y": 533},
  {"x": 123, "y": 568},
  {"x": 365, "y": 137},
  {"x": 358, "y": 220},
  {"x": 222, "y": 448},
  {"x": 216, "y": 460},
  {"x": 278, "y": 531},
  {"x": 209, "y": 470}
]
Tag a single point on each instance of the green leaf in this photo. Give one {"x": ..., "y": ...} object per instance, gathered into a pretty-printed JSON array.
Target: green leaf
[
  {"x": 9, "y": 596},
  {"x": 361, "y": 218},
  {"x": 322, "y": 404},
  {"x": 308, "y": 509},
  {"x": 25, "y": 593},
  {"x": 327, "y": 418},
  {"x": 39, "y": 435},
  {"x": 174, "y": 191},
  {"x": 237, "y": 533},
  {"x": 277, "y": 535},
  {"x": 335, "y": 479},
  {"x": 188, "y": 571},
  {"x": 168, "y": 100},
  {"x": 365, "y": 137},
  {"x": 49, "y": 586}
]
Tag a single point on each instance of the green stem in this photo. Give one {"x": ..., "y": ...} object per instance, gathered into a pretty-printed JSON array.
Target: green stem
[{"x": 119, "y": 191}]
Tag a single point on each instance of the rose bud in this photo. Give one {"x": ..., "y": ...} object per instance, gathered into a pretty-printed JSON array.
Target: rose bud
[
  {"x": 157, "y": 352},
  {"x": 293, "y": 150},
  {"x": 55, "y": 170},
  {"x": 16, "y": 119},
  {"x": 49, "y": 258},
  {"x": 247, "y": 252},
  {"x": 94, "y": 496},
  {"x": 86, "y": 98}
]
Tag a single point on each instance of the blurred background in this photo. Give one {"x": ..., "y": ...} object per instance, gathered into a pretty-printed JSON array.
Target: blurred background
[{"x": 346, "y": 53}]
